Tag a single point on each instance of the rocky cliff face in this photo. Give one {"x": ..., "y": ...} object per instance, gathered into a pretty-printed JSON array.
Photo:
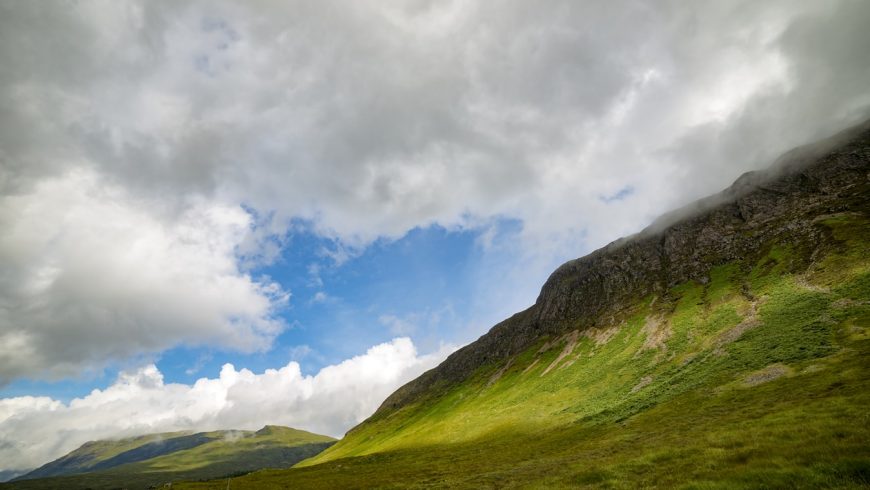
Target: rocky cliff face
[{"x": 776, "y": 205}]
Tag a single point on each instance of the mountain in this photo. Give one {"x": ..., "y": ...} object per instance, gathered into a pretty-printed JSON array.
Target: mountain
[
  {"x": 727, "y": 345},
  {"x": 100, "y": 455},
  {"x": 155, "y": 459},
  {"x": 6, "y": 475}
]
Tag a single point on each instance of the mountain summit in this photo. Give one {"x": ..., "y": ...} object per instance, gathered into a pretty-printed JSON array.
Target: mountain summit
[{"x": 780, "y": 205}]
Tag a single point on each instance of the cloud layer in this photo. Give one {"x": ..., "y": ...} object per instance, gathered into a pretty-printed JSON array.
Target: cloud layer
[
  {"x": 35, "y": 430},
  {"x": 91, "y": 275},
  {"x": 151, "y": 151}
]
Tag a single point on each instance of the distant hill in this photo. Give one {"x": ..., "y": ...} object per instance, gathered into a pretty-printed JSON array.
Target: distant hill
[
  {"x": 156, "y": 459},
  {"x": 726, "y": 346},
  {"x": 6, "y": 475}
]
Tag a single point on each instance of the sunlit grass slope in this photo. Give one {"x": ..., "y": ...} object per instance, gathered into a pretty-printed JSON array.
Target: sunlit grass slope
[
  {"x": 97, "y": 455},
  {"x": 223, "y": 454},
  {"x": 759, "y": 377},
  {"x": 240, "y": 452}
]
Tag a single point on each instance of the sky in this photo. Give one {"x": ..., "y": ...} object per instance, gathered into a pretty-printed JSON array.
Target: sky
[{"x": 221, "y": 215}]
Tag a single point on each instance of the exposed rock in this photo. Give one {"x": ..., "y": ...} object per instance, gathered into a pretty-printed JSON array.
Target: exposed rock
[
  {"x": 802, "y": 282},
  {"x": 570, "y": 340},
  {"x": 643, "y": 383},
  {"x": 779, "y": 204},
  {"x": 657, "y": 331},
  {"x": 532, "y": 365},
  {"x": 498, "y": 374},
  {"x": 767, "y": 374},
  {"x": 732, "y": 334},
  {"x": 602, "y": 336}
]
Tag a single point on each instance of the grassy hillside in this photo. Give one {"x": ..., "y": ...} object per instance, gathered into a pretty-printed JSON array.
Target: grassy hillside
[
  {"x": 758, "y": 376},
  {"x": 241, "y": 452},
  {"x": 98, "y": 455},
  {"x": 217, "y": 454}
]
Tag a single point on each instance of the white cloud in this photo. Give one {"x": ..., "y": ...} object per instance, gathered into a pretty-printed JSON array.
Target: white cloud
[
  {"x": 314, "y": 275},
  {"x": 375, "y": 118},
  {"x": 319, "y": 297},
  {"x": 398, "y": 326},
  {"x": 91, "y": 274},
  {"x": 34, "y": 430},
  {"x": 369, "y": 119},
  {"x": 300, "y": 352}
]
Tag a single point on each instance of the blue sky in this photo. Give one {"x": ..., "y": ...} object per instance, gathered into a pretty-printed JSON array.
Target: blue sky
[
  {"x": 434, "y": 285},
  {"x": 337, "y": 310}
]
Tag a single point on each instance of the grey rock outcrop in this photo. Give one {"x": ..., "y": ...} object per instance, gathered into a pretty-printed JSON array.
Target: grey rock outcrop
[{"x": 778, "y": 205}]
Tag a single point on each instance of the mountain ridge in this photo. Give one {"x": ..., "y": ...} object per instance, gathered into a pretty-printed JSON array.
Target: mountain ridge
[
  {"x": 723, "y": 348},
  {"x": 824, "y": 168},
  {"x": 726, "y": 346},
  {"x": 141, "y": 461},
  {"x": 87, "y": 457}
]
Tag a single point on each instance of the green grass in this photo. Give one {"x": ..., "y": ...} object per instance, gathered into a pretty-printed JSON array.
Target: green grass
[
  {"x": 241, "y": 452},
  {"x": 95, "y": 455},
  {"x": 759, "y": 377},
  {"x": 227, "y": 453}
]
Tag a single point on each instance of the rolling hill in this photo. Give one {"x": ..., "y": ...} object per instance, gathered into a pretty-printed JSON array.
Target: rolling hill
[
  {"x": 727, "y": 345},
  {"x": 156, "y": 459}
]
